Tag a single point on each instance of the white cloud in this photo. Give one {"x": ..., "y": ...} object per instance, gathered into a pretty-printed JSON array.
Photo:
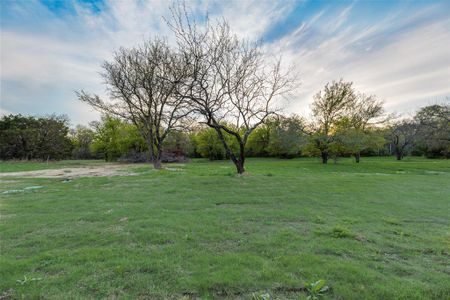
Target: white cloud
[
  {"x": 403, "y": 58},
  {"x": 406, "y": 67}
]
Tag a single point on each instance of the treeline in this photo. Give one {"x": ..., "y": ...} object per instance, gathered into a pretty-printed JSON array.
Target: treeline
[
  {"x": 112, "y": 139},
  {"x": 29, "y": 138}
]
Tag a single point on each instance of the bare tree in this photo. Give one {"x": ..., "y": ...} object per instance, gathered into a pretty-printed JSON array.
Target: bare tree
[
  {"x": 403, "y": 136},
  {"x": 231, "y": 85},
  {"x": 141, "y": 86},
  {"x": 367, "y": 111},
  {"x": 434, "y": 129}
]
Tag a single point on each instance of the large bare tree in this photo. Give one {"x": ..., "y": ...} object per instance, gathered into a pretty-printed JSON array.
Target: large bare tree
[
  {"x": 141, "y": 85},
  {"x": 231, "y": 84}
]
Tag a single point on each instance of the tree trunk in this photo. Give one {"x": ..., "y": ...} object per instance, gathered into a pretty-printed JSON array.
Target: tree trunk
[
  {"x": 324, "y": 157},
  {"x": 157, "y": 163},
  {"x": 238, "y": 162},
  {"x": 399, "y": 155},
  {"x": 357, "y": 157},
  {"x": 155, "y": 154},
  {"x": 240, "y": 167}
]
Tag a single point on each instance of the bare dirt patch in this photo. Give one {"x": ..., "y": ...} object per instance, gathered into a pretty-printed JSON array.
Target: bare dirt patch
[{"x": 69, "y": 173}]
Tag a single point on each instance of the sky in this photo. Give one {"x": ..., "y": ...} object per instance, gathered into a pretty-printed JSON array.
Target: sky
[{"x": 397, "y": 50}]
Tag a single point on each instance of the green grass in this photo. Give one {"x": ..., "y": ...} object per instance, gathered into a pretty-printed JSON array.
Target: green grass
[{"x": 374, "y": 230}]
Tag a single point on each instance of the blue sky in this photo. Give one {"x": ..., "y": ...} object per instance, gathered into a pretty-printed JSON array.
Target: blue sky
[{"x": 397, "y": 50}]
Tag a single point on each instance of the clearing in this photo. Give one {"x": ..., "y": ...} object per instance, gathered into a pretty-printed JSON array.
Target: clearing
[{"x": 70, "y": 173}]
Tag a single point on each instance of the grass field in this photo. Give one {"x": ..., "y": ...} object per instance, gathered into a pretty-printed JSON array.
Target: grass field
[{"x": 377, "y": 230}]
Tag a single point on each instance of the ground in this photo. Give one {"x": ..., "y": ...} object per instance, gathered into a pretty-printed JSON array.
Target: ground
[{"x": 374, "y": 230}]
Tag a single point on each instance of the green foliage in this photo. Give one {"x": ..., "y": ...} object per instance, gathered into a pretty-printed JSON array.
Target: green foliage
[
  {"x": 258, "y": 142},
  {"x": 115, "y": 138},
  {"x": 316, "y": 289},
  {"x": 208, "y": 145},
  {"x": 342, "y": 120},
  {"x": 82, "y": 138},
  {"x": 318, "y": 144},
  {"x": 34, "y": 138},
  {"x": 286, "y": 136},
  {"x": 354, "y": 141}
]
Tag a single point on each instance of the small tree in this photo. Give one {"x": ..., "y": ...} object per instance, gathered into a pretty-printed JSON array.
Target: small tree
[
  {"x": 231, "y": 85},
  {"x": 82, "y": 138},
  {"x": 141, "y": 84},
  {"x": 355, "y": 131},
  {"x": 355, "y": 141},
  {"x": 329, "y": 108},
  {"x": 402, "y": 137},
  {"x": 434, "y": 130},
  {"x": 106, "y": 138}
]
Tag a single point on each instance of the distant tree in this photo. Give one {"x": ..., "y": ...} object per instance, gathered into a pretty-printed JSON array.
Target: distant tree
[
  {"x": 354, "y": 141},
  {"x": 328, "y": 108},
  {"x": 176, "y": 146},
  {"x": 82, "y": 138},
  {"x": 209, "y": 145},
  {"x": 366, "y": 112},
  {"x": 402, "y": 136},
  {"x": 18, "y": 137},
  {"x": 258, "y": 141},
  {"x": 116, "y": 139},
  {"x": 34, "y": 138},
  {"x": 106, "y": 138},
  {"x": 287, "y": 136},
  {"x": 230, "y": 81},
  {"x": 54, "y": 142},
  {"x": 355, "y": 130},
  {"x": 434, "y": 130},
  {"x": 141, "y": 84}
]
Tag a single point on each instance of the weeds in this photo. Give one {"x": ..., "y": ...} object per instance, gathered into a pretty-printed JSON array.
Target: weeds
[
  {"x": 316, "y": 289},
  {"x": 27, "y": 280},
  {"x": 341, "y": 232}
]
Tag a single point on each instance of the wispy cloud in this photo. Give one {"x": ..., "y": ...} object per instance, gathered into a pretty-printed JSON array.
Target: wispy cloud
[
  {"x": 402, "y": 58},
  {"x": 401, "y": 54}
]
